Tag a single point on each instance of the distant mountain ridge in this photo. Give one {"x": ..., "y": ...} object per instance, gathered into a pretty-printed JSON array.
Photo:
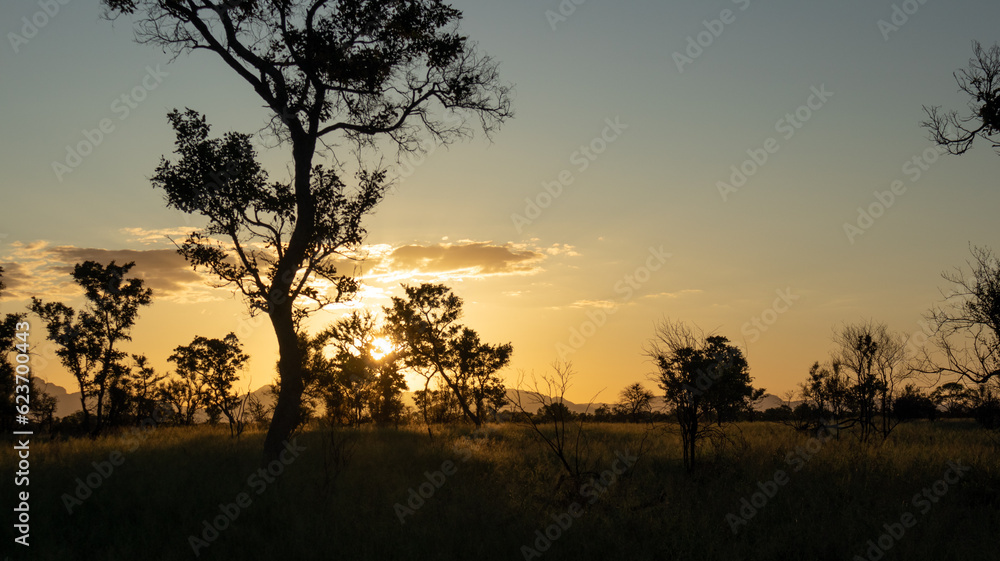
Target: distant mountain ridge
[{"x": 68, "y": 403}]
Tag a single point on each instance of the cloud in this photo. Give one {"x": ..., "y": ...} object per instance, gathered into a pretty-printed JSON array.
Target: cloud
[
  {"x": 43, "y": 270},
  {"x": 595, "y": 304},
  {"x": 37, "y": 269},
  {"x": 672, "y": 295},
  {"x": 160, "y": 236},
  {"x": 465, "y": 259}
]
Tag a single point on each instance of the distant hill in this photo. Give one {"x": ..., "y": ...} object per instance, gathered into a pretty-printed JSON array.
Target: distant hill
[{"x": 69, "y": 403}]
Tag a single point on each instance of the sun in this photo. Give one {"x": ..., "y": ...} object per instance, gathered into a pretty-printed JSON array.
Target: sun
[{"x": 381, "y": 346}]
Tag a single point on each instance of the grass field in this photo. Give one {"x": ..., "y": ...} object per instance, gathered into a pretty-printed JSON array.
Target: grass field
[{"x": 342, "y": 495}]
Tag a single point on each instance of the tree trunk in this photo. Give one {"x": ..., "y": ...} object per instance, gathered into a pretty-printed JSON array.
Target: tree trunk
[
  {"x": 286, "y": 411},
  {"x": 280, "y": 302}
]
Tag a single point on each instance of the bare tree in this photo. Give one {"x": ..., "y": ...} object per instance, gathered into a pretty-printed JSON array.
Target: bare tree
[
  {"x": 876, "y": 357},
  {"x": 350, "y": 70},
  {"x": 566, "y": 440},
  {"x": 981, "y": 81},
  {"x": 966, "y": 341}
]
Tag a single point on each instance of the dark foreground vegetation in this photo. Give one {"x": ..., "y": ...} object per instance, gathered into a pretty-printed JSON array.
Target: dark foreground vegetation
[{"x": 494, "y": 493}]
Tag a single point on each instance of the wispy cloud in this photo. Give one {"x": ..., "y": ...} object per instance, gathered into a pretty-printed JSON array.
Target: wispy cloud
[{"x": 672, "y": 295}]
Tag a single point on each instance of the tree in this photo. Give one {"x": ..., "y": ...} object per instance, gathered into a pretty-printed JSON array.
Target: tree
[
  {"x": 89, "y": 341},
  {"x": 876, "y": 357},
  {"x": 425, "y": 323},
  {"x": 634, "y": 402},
  {"x": 955, "y": 398},
  {"x": 981, "y": 82},
  {"x": 699, "y": 376},
  {"x": 184, "y": 395},
  {"x": 967, "y": 328},
  {"x": 913, "y": 403},
  {"x": 827, "y": 389},
  {"x": 353, "y": 70},
  {"x": 358, "y": 378},
  {"x": 213, "y": 366}
]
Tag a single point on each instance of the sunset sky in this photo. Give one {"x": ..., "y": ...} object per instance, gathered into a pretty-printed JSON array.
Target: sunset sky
[{"x": 619, "y": 101}]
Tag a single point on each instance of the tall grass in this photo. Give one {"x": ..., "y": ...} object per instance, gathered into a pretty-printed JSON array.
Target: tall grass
[{"x": 338, "y": 499}]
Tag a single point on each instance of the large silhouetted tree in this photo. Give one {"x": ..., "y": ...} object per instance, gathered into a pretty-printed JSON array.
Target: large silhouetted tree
[
  {"x": 328, "y": 71},
  {"x": 89, "y": 341},
  {"x": 981, "y": 82}
]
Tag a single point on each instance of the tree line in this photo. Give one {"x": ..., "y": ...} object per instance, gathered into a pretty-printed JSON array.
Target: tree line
[{"x": 348, "y": 379}]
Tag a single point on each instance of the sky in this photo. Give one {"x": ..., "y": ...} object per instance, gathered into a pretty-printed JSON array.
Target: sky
[{"x": 696, "y": 161}]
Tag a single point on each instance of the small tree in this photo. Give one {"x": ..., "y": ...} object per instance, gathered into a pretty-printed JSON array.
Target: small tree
[
  {"x": 956, "y": 399},
  {"x": 425, "y": 324},
  {"x": 89, "y": 341},
  {"x": 913, "y": 403},
  {"x": 699, "y": 376},
  {"x": 875, "y": 356},
  {"x": 213, "y": 366},
  {"x": 566, "y": 440},
  {"x": 356, "y": 378},
  {"x": 635, "y": 402}
]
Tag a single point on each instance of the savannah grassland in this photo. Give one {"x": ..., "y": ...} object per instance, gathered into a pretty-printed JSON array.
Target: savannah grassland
[{"x": 338, "y": 499}]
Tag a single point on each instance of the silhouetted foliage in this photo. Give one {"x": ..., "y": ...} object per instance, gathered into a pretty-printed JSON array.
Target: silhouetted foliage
[
  {"x": 701, "y": 377},
  {"x": 981, "y": 82},
  {"x": 355, "y": 385},
  {"x": 89, "y": 341},
  {"x": 956, "y": 399},
  {"x": 828, "y": 389},
  {"x": 211, "y": 367},
  {"x": 875, "y": 357},
  {"x": 425, "y": 324},
  {"x": 913, "y": 403},
  {"x": 634, "y": 402},
  {"x": 358, "y": 70}
]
